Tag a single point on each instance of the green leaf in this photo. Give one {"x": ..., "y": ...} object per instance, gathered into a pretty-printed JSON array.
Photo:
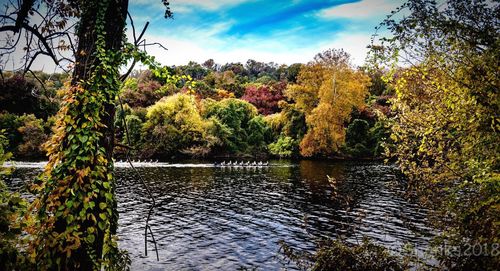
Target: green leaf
[
  {"x": 91, "y": 238},
  {"x": 109, "y": 196},
  {"x": 101, "y": 225}
]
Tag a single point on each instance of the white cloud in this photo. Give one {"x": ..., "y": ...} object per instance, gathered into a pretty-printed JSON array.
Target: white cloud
[
  {"x": 182, "y": 6},
  {"x": 360, "y": 10},
  {"x": 354, "y": 44},
  {"x": 181, "y": 50}
]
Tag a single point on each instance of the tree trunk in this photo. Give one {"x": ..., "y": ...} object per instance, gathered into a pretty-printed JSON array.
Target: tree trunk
[
  {"x": 114, "y": 30},
  {"x": 76, "y": 207}
]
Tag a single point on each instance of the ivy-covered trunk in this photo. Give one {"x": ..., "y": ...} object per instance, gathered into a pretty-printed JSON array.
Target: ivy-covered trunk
[
  {"x": 76, "y": 208},
  {"x": 86, "y": 67}
]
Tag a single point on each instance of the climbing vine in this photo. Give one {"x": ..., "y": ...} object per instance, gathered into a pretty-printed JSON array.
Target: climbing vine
[{"x": 75, "y": 212}]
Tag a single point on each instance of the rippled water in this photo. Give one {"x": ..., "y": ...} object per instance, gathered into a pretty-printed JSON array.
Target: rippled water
[{"x": 212, "y": 218}]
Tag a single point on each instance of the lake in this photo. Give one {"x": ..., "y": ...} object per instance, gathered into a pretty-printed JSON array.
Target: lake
[{"x": 228, "y": 218}]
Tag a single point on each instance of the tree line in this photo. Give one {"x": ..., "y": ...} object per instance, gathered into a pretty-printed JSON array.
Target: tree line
[{"x": 325, "y": 108}]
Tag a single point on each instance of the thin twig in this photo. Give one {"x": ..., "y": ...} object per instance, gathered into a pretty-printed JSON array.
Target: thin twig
[
  {"x": 153, "y": 202},
  {"x": 38, "y": 79}
]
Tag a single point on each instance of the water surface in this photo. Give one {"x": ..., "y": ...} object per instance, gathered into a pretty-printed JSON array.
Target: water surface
[{"x": 213, "y": 218}]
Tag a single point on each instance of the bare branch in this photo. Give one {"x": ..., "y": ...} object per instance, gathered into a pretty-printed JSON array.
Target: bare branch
[
  {"x": 143, "y": 30},
  {"x": 12, "y": 45},
  {"x": 22, "y": 15},
  {"x": 137, "y": 42},
  {"x": 155, "y": 43},
  {"x": 37, "y": 34},
  {"x": 133, "y": 27},
  {"x": 42, "y": 84},
  {"x": 27, "y": 66},
  {"x": 124, "y": 76},
  {"x": 58, "y": 35}
]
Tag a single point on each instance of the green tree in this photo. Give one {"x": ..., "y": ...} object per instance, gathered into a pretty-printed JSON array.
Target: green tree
[
  {"x": 234, "y": 115},
  {"x": 284, "y": 147},
  {"x": 357, "y": 138},
  {"x": 134, "y": 128},
  {"x": 259, "y": 133},
  {"x": 288, "y": 128},
  {"x": 10, "y": 124},
  {"x": 293, "y": 72}
]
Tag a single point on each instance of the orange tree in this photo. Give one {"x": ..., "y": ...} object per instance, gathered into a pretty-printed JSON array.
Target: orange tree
[{"x": 327, "y": 90}]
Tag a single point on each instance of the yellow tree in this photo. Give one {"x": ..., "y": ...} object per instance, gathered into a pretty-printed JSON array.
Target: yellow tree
[
  {"x": 328, "y": 89},
  {"x": 447, "y": 123}
]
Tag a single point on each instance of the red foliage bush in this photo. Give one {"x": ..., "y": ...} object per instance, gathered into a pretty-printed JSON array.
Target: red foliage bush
[
  {"x": 144, "y": 95},
  {"x": 265, "y": 97}
]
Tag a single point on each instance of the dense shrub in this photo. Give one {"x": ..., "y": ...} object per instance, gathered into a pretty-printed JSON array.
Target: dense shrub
[
  {"x": 203, "y": 90},
  {"x": 26, "y": 134},
  {"x": 140, "y": 93},
  {"x": 234, "y": 115},
  {"x": 259, "y": 134},
  {"x": 33, "y": 136},
  {"x": 10, "y": 124},
  {"x": 173, "y": 124},
  {"x": 21, "y": 96},
  {"x": 333, "y": 255},
  {"x": 284, "y": 147},
  {"x": 357, "y": 138},
  {"x": 230, "y": 82},
  {"x": 275, "y": 123},
  {"x": 365, "y": 141},
  {"x": 357, "y": 132},
  {"x": 288, "y": 128},
  {"x": 134, "y": 127}
]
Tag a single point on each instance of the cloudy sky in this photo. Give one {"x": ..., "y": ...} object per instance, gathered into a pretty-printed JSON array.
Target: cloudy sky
[
  {"x": 284, "y": 32},
  {"x": 280, "y": 31}
]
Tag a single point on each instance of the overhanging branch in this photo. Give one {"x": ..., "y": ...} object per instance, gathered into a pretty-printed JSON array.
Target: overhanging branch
[{"x": 40, "y": 37}]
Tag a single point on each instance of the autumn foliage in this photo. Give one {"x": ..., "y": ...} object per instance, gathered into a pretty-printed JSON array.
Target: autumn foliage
[
  {"x": 265, "y": 97},
  {"x": 327, "y": 90}
]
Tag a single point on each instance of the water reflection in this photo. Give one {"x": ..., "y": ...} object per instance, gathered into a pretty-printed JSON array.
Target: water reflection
[{"x": 211, "y": 218}]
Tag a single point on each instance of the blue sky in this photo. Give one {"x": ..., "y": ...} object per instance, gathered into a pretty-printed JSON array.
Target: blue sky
[
  {"x": 280, "y": 31},
  {"x": 284, "y": 32}
]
